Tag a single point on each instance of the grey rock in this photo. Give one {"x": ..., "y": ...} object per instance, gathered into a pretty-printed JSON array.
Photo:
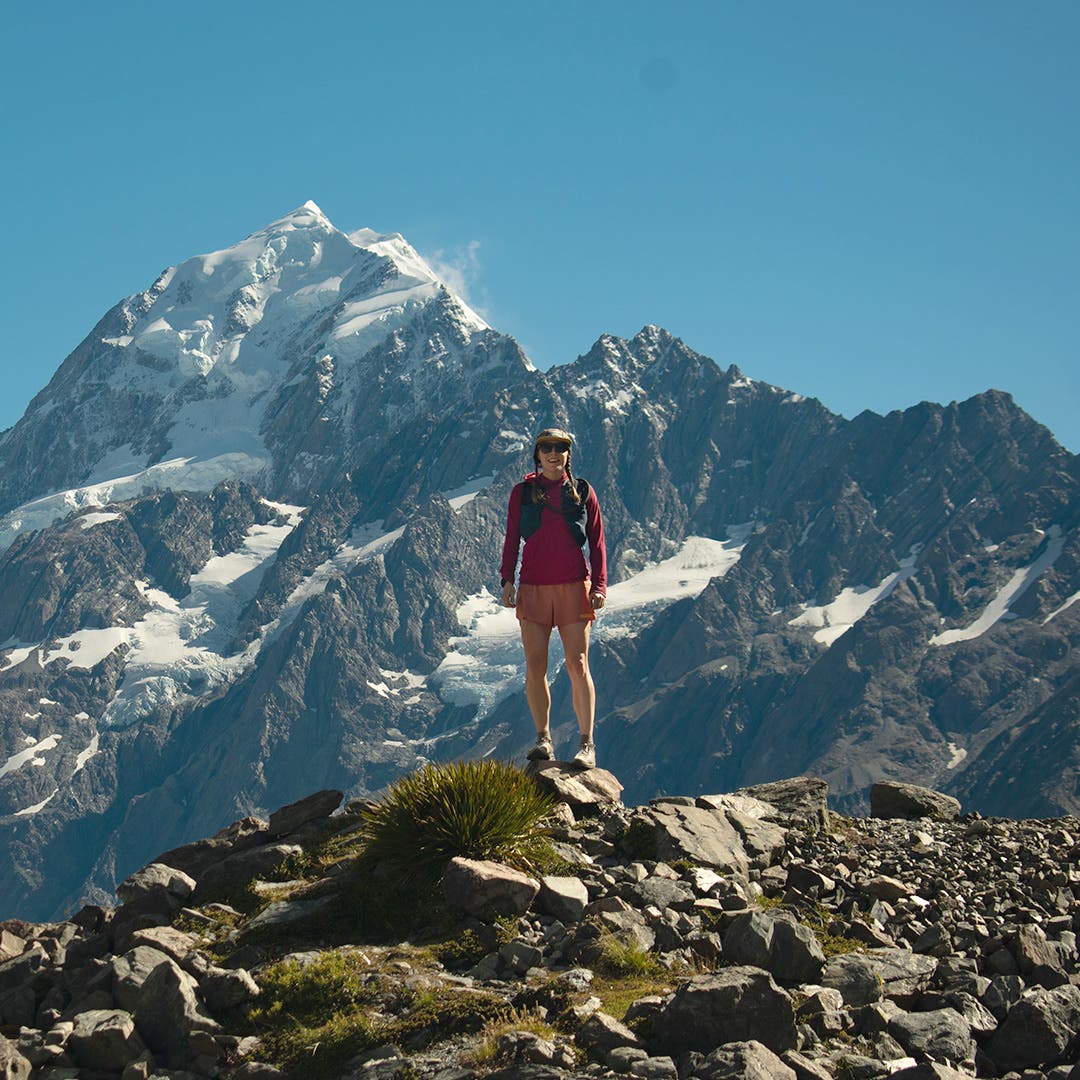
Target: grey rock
[
  {"x": 13, "y": 1066},
  {"x": 655, "y": 1068},
  {"x": 519, "y": 956},
  {"x": 775, "y": 941},
  {"x": 105, "y": 1039},
  {"x": 289, "y": 818},
  {"x": 891, "y": 799},
  {"x": 563, "y": 897},
  {"x": 622, "y": 1057},
  {"x": 576, "y": 787},
  {"x": 169, "y": 1010},
  {"x": 1037, "y": 1030},
  {"x": 237, "y": 869},
  {"x": 281, "y": 912},
  {"x": 800, "y": 800},
  {"x": 805, "y": 1068},
  {"x": 867, "y": 977},
  {"x": 601, "y": 1034},
  {"x": 941, "y": 1034},
  {"x": 1002, "y": 994},
  {"x": 701, "y": 836},
  {"x": 736, "y": 1004},
  {"x": 487, "y": 889},
  {"x": 750, "y": 1060},
  {"x": 930, "y": 1070},
  {"x": 153, "y": 879},
  {"x": 223, "y": 989},
  {"x": 763, "y": 841},
  {"x": 166, "y": 939},
  {"x": 130, "y": 973},
  {"x": 11, "y": 945}
]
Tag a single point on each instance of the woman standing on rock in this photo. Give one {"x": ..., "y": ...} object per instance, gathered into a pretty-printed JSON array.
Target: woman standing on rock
[{"x": 556, "y": 516}]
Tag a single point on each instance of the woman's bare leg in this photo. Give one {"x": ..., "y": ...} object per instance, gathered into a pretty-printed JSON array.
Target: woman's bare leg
[
  {"x": 534, "y": 639},
  {"x": 575, "y": 639}
]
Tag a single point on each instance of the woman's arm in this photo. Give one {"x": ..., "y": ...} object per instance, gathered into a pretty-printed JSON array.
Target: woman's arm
[
  {"x": 594, "y": 530},
  {"x": 511, "y": 543}
]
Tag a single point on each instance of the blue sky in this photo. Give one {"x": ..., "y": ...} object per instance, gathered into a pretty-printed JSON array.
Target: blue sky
[{"x": 870, "y": 203}]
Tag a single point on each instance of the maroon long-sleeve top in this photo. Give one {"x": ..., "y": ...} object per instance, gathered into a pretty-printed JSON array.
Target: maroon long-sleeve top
[{"x": 552, "y": 555}]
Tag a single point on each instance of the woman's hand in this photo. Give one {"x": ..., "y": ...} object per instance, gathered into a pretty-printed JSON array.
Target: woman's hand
[
  {"x": 508, "y": 597},
  {"x": 597, "y": 599}
]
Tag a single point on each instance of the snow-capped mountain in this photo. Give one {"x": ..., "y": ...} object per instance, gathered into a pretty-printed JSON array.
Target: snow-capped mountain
[{"x": 251, "y": 532}]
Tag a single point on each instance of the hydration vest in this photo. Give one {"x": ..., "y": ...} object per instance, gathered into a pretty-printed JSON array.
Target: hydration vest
[{"x": 534, "y": 499}]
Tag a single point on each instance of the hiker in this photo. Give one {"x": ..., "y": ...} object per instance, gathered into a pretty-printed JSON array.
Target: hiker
[{"x": 556, "y": 514}]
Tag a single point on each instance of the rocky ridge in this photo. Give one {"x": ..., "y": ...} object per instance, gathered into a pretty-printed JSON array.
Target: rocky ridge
[{"x": 767, "y": 937}]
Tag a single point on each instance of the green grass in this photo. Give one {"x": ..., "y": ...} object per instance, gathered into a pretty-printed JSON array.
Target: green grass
[{"x": 313, "y": 1019}]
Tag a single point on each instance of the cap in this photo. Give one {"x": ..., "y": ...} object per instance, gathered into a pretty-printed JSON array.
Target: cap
[{"x": 553, "y": 435}]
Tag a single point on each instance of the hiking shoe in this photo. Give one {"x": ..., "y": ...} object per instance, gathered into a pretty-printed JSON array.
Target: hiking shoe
[
  {"x": 543, "y": 750},
  {"x": 585, "y": 758}
]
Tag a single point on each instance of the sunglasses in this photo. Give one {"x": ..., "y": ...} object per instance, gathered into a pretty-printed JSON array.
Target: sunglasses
[{"x": 552, "y": 447}]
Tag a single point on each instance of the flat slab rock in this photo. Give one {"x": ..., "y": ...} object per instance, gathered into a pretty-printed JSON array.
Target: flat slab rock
[{"x": 574, "y": 786}]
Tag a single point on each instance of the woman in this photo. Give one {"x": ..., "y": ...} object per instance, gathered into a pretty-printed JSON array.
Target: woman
[{"x": 556, "y": 516}]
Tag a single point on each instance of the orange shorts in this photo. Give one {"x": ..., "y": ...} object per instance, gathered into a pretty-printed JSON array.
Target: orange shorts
[{"x": 555, "y": 605}]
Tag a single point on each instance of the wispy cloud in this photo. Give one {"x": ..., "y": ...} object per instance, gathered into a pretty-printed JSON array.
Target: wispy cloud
[{"x": 459, "y": 268}]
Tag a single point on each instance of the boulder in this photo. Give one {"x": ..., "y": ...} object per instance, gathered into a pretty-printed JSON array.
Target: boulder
[
  {"x": 486, "y": 889},
  {"x": 750, "y": 1060},
  {"x": 131, "y": 971},
  {"x": 1037, "y": 1030},
  {"x": 941, "y": 1034},
  {"x": 167, "y": 939},
  {"x": 863, "y": 978},
  {"x": 169, "y": 1011},
  {"x": 289, "y": 818},
  {"x": 564, "y": 898},
  {"x": 235, "y": 871},
  {"x": 737, "y": 1004},
  {"x": 574, "y": 786},
  {"x": 13, "y": 1066},
  {"x": 800, "y": 800},
  {"x": 775, "y": 941},
  {"x": 891, "y": 799},
  {"x": 154, "y": 879},
  {"x": 223, "y": 989},
  {"x": 601, "y": 1034},
  {"x": 11, "y": 945},
  {"x": 705, "y": 837},
  {"x": 105, "y": 1039}
]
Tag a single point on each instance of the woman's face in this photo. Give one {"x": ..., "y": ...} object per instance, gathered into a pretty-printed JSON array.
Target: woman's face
[{"x": 553, "y": 458}]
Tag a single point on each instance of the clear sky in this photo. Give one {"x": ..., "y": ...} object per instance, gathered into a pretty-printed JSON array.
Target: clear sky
[{"x": 870, "y": 203}]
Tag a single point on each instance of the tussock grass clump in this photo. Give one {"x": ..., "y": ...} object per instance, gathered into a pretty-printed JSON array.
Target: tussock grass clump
[
  {"x": 622, "y": 959},
  {"x": 478, "y": 809}
]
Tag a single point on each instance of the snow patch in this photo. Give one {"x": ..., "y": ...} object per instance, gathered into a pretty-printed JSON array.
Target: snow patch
[
  {"x": 37, "y": 806},
  {"x": 97, "y": 517},
  {"x": 834, "y": 619},
  {"x": 85, "y": 755},
  {"x": 461, "y": 496},
  {"x": 956, "y": 755},
  {"x": 484, "y": 665},
  {"x": 30, "y": 756},
  {"x": 1064, "y": 607},
  {"x": 998, "y": 608}
]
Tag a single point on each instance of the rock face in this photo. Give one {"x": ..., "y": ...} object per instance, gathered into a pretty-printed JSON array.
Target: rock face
[
  {"x": 299, "y": 536},
  {"x": 970, "y": 964}
]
